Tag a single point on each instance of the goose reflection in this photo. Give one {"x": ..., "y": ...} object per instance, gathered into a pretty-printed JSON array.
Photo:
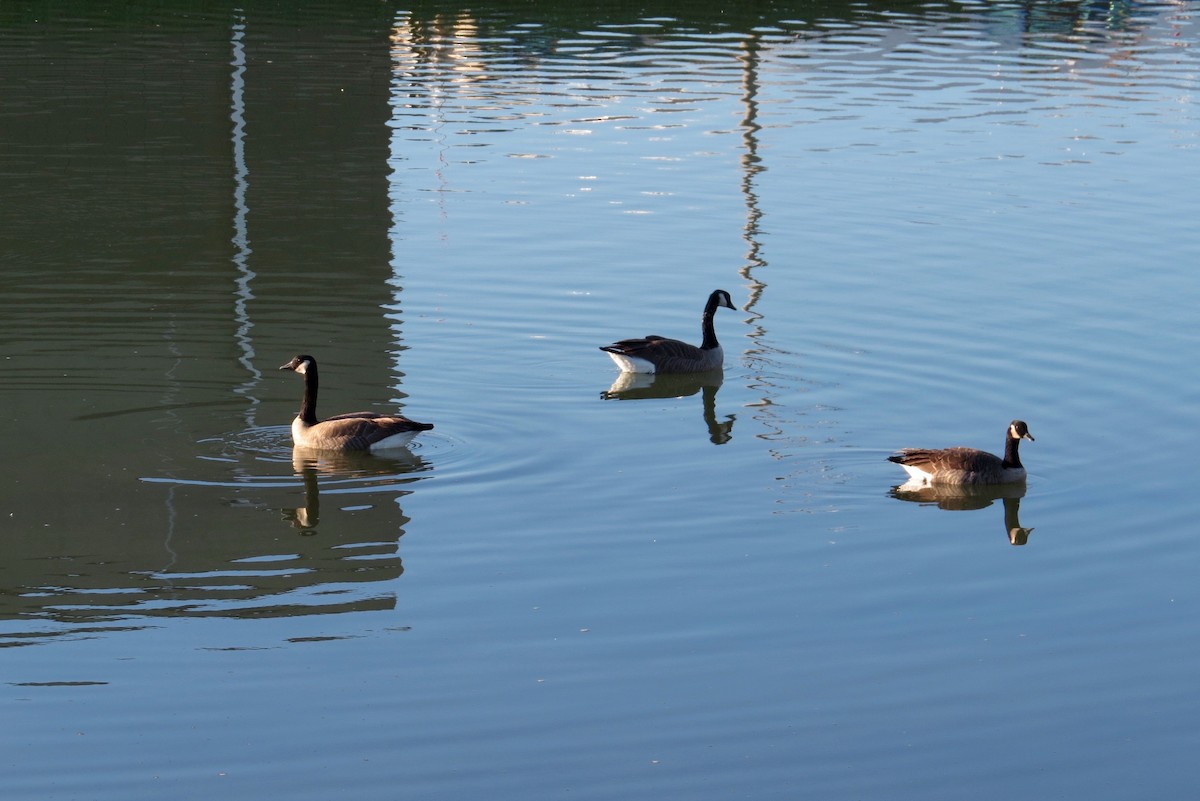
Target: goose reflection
[
  {"x": 646, "y": 386},
  {"x": 349, "y": 472},
  {"x": 209, "y": 545},
  {"x": 962, "y": 498}
]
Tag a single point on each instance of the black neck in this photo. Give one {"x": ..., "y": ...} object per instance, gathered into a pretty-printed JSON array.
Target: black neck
[
  {"x": 706, "y": 325},
  {"x": 308, "y": 406},
  {"x": 1011, "y": 457}
]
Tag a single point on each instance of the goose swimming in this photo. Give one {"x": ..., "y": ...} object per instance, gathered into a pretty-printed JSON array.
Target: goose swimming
[
  {"x": 655, "y": 354},
  {"x": 355, "y": 431},
  {"x": 967, "y": 465}
]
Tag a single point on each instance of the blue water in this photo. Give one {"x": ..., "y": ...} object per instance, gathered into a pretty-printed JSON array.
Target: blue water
[{"x": 935, "y": 219}]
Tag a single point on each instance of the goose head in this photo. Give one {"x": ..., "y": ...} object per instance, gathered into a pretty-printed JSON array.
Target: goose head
[
  {"x": 1018, "y": 430},
  {"x": 722, "y": 299},
  {"x": 299, "y": 364}
]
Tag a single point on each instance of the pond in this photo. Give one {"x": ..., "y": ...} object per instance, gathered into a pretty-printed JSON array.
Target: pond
[{"x": 933, "y": 219}]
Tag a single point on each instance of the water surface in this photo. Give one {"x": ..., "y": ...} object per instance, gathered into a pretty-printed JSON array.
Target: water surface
[{"x": 935, "y": 217}]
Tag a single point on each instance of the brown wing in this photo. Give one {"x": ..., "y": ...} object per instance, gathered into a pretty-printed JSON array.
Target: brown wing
[
  {"x": 954, "y": 465},
  {"x": 931, "y": 461},
  {"x": 355, "y": 416},
  {"x": 667, "y": 355},
  {"x": 362, "y": 430}
]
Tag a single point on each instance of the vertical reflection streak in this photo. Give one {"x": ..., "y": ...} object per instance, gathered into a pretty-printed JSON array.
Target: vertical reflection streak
[
  {"x": 760, "y": 353},
  {"x": 751, "y": 167},
  {"x": 241, "y": 236},
  {"x": 400, "y": 52}
]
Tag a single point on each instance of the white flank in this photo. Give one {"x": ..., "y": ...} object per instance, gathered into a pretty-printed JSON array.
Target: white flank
[
  {"x": 394, "y": 441},
  {"x": 629, "y": 364},
  {"x": 917, "y": 474}
]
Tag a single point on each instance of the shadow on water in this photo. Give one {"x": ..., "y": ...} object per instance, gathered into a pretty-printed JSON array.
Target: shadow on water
[
  {"x": 705, "y": 16},
  {"x": 647, "y": 386},
  {"x": 218, "y": 557},
  {"x": 966, "y": 499}
]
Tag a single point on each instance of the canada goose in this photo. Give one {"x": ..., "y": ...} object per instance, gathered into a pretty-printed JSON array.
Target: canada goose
[
  {"x": 357, "y": 431},
  {"x": 967, "y": 465},
  {"x": 655, "y": 354}
]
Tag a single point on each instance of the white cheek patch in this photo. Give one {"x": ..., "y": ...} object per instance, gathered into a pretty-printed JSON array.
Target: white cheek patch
[{"x": 302, "y": 368}]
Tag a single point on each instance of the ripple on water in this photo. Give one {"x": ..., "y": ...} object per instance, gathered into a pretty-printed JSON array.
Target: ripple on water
[
  {"x": 244, "y": 452},
  {"x": 463, "y": 449}
]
